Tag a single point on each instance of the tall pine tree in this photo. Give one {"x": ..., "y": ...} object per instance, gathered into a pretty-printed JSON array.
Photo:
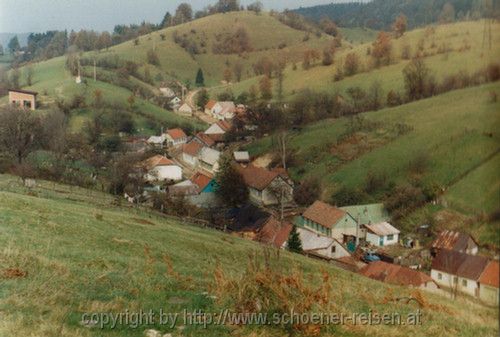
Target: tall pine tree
[
  {"x": 200, "y": 79},
  {"x": 232, "y": 189}
]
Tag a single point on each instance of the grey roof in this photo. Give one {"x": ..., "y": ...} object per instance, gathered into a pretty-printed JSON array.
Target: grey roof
[
  {"x": 209, "y": 156},
  {"x": 382, "y": 228},
  {"x": 241, "y": 156}
]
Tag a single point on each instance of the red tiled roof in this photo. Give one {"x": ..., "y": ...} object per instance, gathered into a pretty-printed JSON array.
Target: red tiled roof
[
  {"x": 324, "y": 214},
  {"x": 208, "y": 140},
  {"x": 394, "y": 274},
  {"x": 210, "y": 104},
  {"x": 490, "y": 275},
  {"x": 157, "y": 160},
  {"x": 259, "y": 178},
  {"x": 202, "y": 180},
  {"x": 176, "y": 133},
  {"x": 192, "y": 148},
  {"x": 273, "y": 233}
]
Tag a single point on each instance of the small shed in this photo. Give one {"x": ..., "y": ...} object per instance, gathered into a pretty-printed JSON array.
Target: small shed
[
  {"x": 241, "y": 157},
  {"x": 23, "y": 98}
]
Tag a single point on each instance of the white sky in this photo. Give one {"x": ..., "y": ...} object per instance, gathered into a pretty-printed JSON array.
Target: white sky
[{"x": 20, "y": 16}]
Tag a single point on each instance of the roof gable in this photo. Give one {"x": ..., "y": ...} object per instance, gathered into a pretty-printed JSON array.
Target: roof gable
[
  {"x": 490, "y": 275},
  {"x": 324, "y": 214}
]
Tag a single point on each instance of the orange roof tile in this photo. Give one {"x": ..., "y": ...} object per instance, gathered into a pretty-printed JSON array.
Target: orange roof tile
[
  {"x": 259, "y": 178},
  {"x": 157, "y": 160},
  {"x": 324, "y": 214},
  {"x": 490, "y": 275},
  {"x": 394, "y": 274},
  {"x": 208, "y": 140},
  {"x": 210, "y": 104},
  {"x": 202, "y": 180},
  {"x": 176, "y": 133},
  {"x": 192, "y": 148}
]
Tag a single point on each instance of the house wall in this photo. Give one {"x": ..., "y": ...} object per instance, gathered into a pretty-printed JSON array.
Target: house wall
[
  {"x": 345, "y": 226},
  {"x": 489, "y": 294},
  {"x": 315, "y": 227},
  {"x": 190, "y": 160},
  {"x": 171, "y": 172},
  {"x": 375, "y": 239},
  {"x": 269, "y": 198},
  {"x": 19, "y": 98},
  {"x": 447, "y": 280}
]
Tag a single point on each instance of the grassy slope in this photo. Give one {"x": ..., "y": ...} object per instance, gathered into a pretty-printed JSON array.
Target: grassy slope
[
  {"x": 84, "y": 255},
  {"x": 52, "y": 81},
  {"x": 452, "y": 129},
  {"x": 454, "y": 35},
  {"x": 265, "y": 33}
]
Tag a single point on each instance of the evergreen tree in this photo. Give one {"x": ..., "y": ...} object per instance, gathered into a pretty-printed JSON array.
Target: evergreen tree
[
  {"x": 232, "y": 189},
  {"x": 14, "y": 44},
  {"x": 294, "y": 244},
  {"x": 167, "y": 20},
  {"x": 200, "y": 79},
  {"x": 202, "y": 98}
]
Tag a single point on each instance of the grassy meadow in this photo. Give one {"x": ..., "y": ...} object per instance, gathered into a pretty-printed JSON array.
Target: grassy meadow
[
  {"x": 447, "y": 49},
  {"x": 66, "y": 251},
  {"x": 453, "y": 132}
]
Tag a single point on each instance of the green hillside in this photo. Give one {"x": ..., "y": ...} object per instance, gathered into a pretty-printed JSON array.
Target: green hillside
[
  {"x": 67, "y": 251},
  {"x": 453, "y": 133},
  {"x": 267, "y": 36},
  {"x": 458, "y": 44}
]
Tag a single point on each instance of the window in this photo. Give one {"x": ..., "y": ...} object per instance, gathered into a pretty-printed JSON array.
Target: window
[
  {"x": 455, "y": 280},
  {"x": 440, "y": 276},
  {"x": 334, "y": 248},
  {"x": 464, "y": 283},
  {"x": 390, "y": 237}
]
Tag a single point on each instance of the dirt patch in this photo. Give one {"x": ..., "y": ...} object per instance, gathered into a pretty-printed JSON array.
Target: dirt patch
[
  {"x": 11, "y": 273},
  {"x": 263, "y": 161},
  {"x": 143, "y": 221},
  {"x": 355, "y": 145}
]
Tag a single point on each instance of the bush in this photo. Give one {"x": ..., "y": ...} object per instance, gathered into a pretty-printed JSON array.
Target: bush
[{"x": 307, "y": 192}]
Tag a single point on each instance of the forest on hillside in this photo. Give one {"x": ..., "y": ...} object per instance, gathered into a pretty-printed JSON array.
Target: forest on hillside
[{"x": 380, "y": 14}]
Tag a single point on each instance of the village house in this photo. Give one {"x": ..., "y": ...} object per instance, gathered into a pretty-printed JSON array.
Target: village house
[
  {"x": 455, "y": 241},
  {"x": 217, "y": 130},
  {"x": 489, "y": 284},
  {"x": 175, "y": 103},
  {"x": 23, "y": 98},
  {"x": 331, "y": 221},
  {"x": 367, "y": 214},
  {"x": 321, "y": 246},
  {"x": 209, "y": 106},
  {"x": 175, "y": 137},
  {"x": 205, "y": 182},
  {"x": 209, "y": 159},
  {"x": 272, "y": 232},
  {"x": 185, "y": 109},
  {"x": 190, "y": 153},
  {"x": 458, "y": 271},
  {"x": 220, "y": 110},
  {"x": 381, "y": 234},
  {"x": 398, "y": 275},
  {"x": 267, "y": 187},
  {"x": 156, "y": 141},
  {"x": 160, "y": 168}
]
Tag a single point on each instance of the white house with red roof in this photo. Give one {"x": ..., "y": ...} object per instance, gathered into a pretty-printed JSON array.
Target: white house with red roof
[
  {"x": 175, "y": 137},
  {"x": 160, "y": 168}
]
